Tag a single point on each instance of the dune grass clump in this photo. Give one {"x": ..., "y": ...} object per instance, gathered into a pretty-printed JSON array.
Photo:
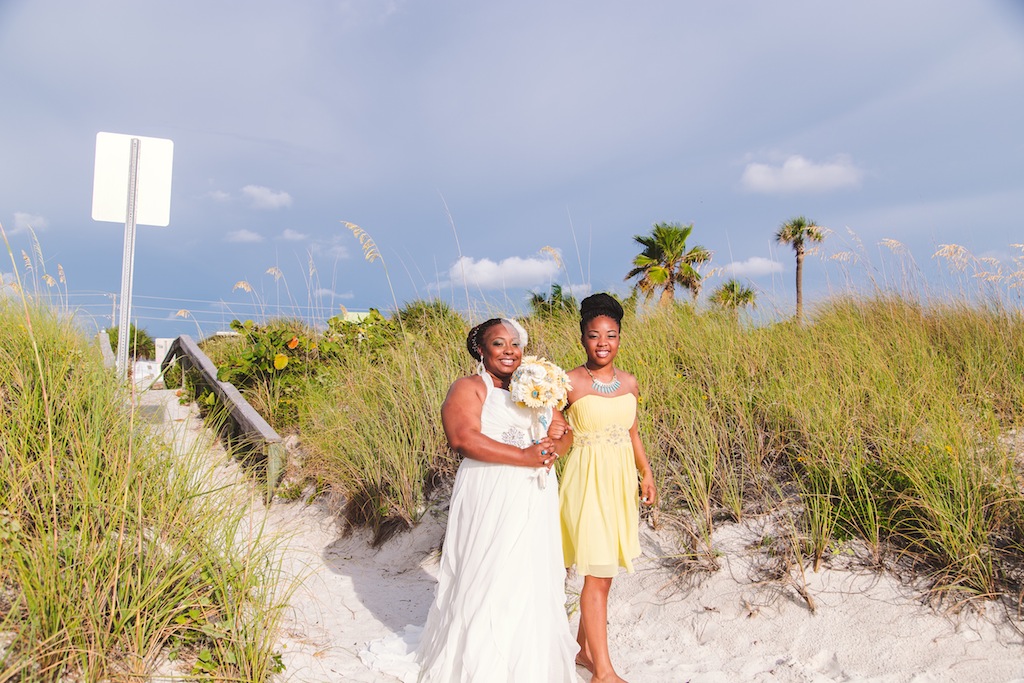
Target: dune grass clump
[
  {"x": 113, "y": 558},
  {"x": 879, "y": 419},
  {"x": 371, "y": 426}
]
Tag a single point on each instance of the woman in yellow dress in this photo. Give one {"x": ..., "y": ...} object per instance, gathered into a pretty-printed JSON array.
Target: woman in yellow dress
[{"x": 599, "y": 492}]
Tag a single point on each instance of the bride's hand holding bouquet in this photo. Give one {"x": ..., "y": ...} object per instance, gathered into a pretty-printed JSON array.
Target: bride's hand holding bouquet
[{"x": 541, "y": 386}]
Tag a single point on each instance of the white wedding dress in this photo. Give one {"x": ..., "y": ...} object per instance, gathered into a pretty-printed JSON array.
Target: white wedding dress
[{"x": 499, "y": 613}]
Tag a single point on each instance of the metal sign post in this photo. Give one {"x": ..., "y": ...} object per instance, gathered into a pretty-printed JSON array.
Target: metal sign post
[
  {"x": 128, "y": 262},
  {"x": 148, "y": 181}
]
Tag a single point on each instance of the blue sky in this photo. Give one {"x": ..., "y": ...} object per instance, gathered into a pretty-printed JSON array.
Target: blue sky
[{"x": 473, "y": 141}]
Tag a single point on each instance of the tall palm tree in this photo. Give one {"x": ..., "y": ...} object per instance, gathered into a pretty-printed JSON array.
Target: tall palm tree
[
  {"x": 547, "y": 305},
  {"x": 796, "y": 232},
  {"x": 732, "y": 295},
  {"x": 665, "y": 262}
]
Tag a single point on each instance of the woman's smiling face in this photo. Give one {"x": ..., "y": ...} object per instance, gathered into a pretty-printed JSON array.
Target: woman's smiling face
[
  {"x": 601, "y": 340},
  {"x": 500, "y": 351}
]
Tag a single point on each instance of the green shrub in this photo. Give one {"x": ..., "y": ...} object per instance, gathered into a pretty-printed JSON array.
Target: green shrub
[{"x": 140, "y": 345}]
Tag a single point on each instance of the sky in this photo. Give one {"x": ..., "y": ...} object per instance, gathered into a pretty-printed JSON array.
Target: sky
[{"x": 489, "y": 150}]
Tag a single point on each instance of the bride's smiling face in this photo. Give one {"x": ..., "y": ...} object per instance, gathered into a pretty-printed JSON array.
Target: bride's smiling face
[{"x": 500, "y": 351}]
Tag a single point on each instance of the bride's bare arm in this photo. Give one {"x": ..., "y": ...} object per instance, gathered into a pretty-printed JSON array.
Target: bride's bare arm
[{"x": 460, "y": 417}]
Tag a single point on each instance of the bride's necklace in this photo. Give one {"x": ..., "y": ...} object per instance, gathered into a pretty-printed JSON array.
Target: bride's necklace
[{"x": 604, "y": 387}]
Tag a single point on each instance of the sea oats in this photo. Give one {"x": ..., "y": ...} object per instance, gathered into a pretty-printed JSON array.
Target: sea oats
[
  {"x": 553, "y": 253},
  {"x": 992, "y": 261},
  {"x": 843, "y": 256},
  {"x": 370, "y": 252},
  {"x": 242, "y": 285},
  {"x": 894, "y": 246},
  {"x": 987, "y": 276},
  {"x": 957, "y": 256},
  {"x": 36, "y": 245}
]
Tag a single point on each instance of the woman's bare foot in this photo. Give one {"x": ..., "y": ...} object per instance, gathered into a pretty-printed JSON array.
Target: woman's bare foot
[
  {"x": 610, "y": 678},
  {"x": 584, "y": 661}
]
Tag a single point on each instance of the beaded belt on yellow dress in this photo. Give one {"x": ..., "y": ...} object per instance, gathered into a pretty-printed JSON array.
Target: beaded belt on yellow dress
[{"x": 611, "y": 435}]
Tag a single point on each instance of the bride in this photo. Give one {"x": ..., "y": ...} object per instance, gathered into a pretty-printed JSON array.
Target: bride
[{"x": 499, "y": 612}]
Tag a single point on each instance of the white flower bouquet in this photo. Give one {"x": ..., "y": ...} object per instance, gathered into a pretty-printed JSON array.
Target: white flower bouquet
[{"x": 540, "y": 385}]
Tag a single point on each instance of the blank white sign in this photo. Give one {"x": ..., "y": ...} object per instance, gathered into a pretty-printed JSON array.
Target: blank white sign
[{"x": 110, "y": 180}]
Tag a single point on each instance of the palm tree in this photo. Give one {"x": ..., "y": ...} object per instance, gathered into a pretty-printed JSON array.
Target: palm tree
[
  {"x": 796, "y": 232},
  {"x": 140, "y": 343},
  {"x": 558, "y": 300},
  {"x": 732, "y": 295},
  {"x": 666, "y": 262}
]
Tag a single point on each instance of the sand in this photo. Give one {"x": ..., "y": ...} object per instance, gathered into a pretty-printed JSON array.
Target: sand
[{"x": 729, "y": 625}]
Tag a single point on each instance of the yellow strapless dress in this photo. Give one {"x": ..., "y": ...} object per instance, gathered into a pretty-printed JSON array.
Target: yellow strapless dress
[{"x": 599, "y": 487}]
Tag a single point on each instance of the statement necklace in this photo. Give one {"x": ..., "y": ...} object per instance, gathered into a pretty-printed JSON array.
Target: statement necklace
[{"x": 604, "y": 387}]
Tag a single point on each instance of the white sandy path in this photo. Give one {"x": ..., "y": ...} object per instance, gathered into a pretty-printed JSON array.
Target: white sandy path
[{"x": 728, "y": 628}]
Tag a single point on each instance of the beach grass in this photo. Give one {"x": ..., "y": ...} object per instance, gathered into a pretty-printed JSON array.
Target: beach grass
[
  {"x": 885, "y": 421},
  {"x": 881, "y": 420},
  {"x": 371, "y": 428},
  {"x": 116, "y": 555}
]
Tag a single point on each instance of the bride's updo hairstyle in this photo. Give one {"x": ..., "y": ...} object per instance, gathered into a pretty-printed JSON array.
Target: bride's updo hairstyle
[
  {"x": 476, "y": 335},
  {"x": 597, "y": 305}
]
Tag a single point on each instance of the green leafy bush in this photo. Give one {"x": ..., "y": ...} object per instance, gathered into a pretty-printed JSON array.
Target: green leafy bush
[{"x": 140, "y": 345}]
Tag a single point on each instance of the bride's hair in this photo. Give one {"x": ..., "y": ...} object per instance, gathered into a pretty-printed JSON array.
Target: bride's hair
[
  {"x": 476, "y": 335},
  {"x": 599, "y": 304}
]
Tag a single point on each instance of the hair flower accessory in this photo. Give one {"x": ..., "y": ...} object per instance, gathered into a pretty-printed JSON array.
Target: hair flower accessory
[{"x": 540, "y": 385}]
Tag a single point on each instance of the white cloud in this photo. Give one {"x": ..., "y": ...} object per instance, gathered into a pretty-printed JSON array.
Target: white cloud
[
  {"x": 293, "y": 235},
  {"x": 23, "y": 221},
  {"x": 511, "y": 272},
  {"x": 325, "y": 293},
  {"x": 243, "y": 236},
  {"x": 578, "y": 292},
  {"x": 755, "y": 266},
  {"x": 265, "y": 198},
  {"x": 798, "y": 174},
  {"x": 335, "y": 248},
  {"x": 219, "y": 196}
]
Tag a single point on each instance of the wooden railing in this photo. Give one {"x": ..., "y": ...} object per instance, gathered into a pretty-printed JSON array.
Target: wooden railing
[
  {"x": 103, "y": 341},
  {"x": 244, "y": 430}
]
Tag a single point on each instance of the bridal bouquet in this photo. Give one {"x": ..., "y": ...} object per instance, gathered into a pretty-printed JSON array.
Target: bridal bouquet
[{"x": 540, "y": 385}]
